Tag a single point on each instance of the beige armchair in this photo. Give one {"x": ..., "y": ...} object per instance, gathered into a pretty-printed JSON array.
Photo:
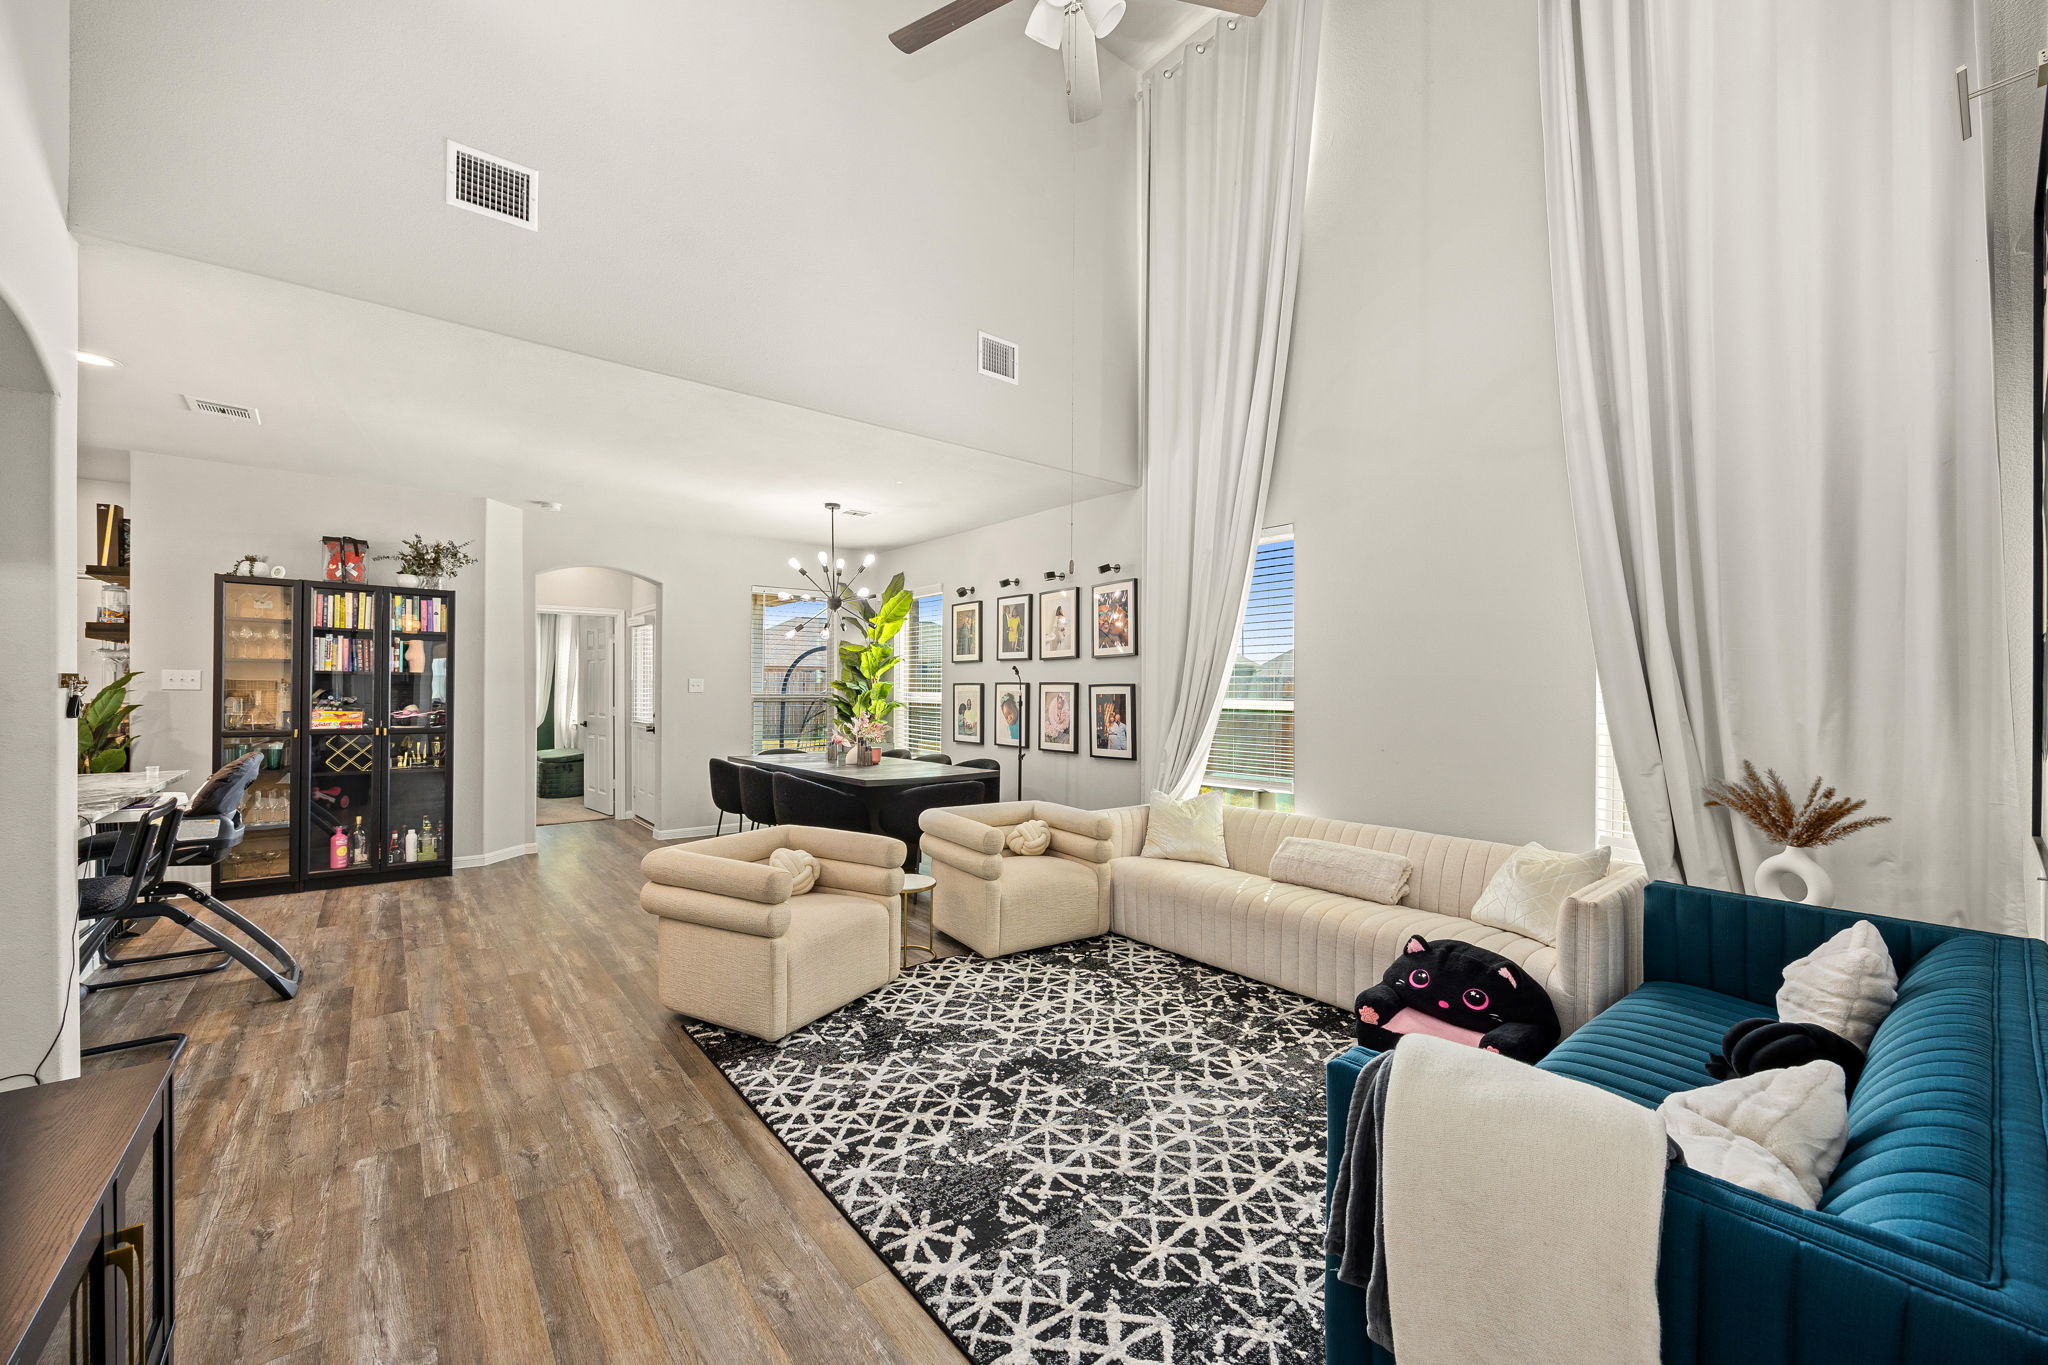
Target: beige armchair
[
  {"x": 997, "y": 902},
  {"x": 737, "y": 949}
]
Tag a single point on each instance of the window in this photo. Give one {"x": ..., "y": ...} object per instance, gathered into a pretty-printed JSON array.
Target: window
[
  {"x": 643, "y": 672},
  {"x": 1610, "y": 807},
  {"x": 921, "y": 724},
  {"x": 1251, "y": 759},
  {"x": 792, "y": 668}
]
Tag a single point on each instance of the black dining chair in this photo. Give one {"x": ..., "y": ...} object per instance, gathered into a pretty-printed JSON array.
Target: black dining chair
[
  {"x": 902, "y": 806},
  {"x": 725, "y": 791},
  {"x": 897, "y": 753},
  {"x": 799, "y": 801},
  {"x": 757, "y": 794},
  {"x": 933, "y": 758},
  {"x": 995, "y": 785},
  {"x": 763, "y": 753}
]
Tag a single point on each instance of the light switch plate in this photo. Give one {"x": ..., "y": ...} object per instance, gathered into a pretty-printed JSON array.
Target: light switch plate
[
  {"x": 181, "y": 680},
  {"x": 696, "y": 684}
]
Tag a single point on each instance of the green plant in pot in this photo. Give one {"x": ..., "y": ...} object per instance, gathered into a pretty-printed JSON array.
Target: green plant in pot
[
  {"x": 864, "y": 697},
  {"x": 102, "y": 740},
  {"x": 424, "y": 563}
]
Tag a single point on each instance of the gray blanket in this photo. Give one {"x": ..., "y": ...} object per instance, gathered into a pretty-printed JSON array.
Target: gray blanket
[{"x": 1356, "y": 1236}]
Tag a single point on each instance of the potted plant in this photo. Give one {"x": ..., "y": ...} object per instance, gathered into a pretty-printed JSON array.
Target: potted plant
[
  {"x": 103, "y": 729},
  {"x": 1823, "y": 818},
  {"x": 424, "y": 563},
  {"x": 864, "y": 697}
]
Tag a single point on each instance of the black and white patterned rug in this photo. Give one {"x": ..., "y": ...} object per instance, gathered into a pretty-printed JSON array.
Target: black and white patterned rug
[{"x": 1094, "y": 1152}]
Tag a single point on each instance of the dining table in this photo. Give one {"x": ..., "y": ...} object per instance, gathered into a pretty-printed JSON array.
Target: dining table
[{"x": 873, "y": 782}]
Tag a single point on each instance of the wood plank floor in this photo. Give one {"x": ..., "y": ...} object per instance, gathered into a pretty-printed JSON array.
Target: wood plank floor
[{"x": 476, "y": 1136}]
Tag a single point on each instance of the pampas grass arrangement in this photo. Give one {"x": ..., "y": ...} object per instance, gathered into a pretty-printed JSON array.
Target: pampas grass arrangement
[{"x": 1823, "y": 818}]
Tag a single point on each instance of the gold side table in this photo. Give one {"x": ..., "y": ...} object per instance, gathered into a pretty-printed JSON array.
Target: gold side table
[{"x": 914, "y": 882}]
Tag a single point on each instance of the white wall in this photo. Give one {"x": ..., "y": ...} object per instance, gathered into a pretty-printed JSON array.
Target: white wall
[
  {"x": 192, "y": 517},
  {"x": 1445, "y": 671},
  {"x": 598, "y": 589},
  {"x": 38, "y": 543},
  {"x": 1104, "y": 530}
]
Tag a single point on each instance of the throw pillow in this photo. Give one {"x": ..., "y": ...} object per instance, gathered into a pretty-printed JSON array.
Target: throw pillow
[
  {"x": 1847, "y": 985},
  {"x": 1528, "y": 893},
  {"x": 1364, "y": 874},
  {"x": 1779, "y": 1133},
  {"x": 1189, "y": 831},
  {"x": 801, "y": 867},
  {"x": 1029, "y": 839}
]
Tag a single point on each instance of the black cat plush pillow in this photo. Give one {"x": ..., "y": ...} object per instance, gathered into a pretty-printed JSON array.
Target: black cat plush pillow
[{"x": 1462, "y": 992}]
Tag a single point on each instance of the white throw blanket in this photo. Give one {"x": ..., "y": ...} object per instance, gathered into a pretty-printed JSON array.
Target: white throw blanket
[{"x": 1522, "y": 1212}]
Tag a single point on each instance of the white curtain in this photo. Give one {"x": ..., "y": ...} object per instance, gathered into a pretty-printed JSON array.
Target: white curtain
[
  {"x": 568, "y": 678},
  {"x": 545, "y": 645},
  {"x": 1226, "y": 147},
  {"x": 1767, "y": 251}
]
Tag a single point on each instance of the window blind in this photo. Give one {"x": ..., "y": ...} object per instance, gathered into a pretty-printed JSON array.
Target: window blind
[
  {"x": 792, "y": 666},
  {"x": 643, "y": 673},
  {"x": 1252, "y": 755},
  {"x": 1610, "y": 808},
  {"x": 921, "y": 724}
]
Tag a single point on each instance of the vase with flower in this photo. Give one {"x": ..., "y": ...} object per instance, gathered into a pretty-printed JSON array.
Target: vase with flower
[{"x": 1823, "y": 818}]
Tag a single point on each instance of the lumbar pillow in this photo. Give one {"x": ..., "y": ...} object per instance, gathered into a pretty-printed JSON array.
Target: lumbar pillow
[
  {"x": 1364, "y": 874},
  {"x": 1189, "y": 831},
  {"x": 1779, "y": 1133},
  {"x": 801, "y": 867},
  {"x": 1029, "y": 839},
  {"x": 1460, "y": 991},
  {"x": 1528, "y": 893},
  {"x": 1847, "y": 985}
]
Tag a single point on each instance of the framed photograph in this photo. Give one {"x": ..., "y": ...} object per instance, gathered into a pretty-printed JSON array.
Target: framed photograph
[
  {"x": 1059, "y": 624},
  {"x": 1059, "y": 709},
  {"x": 964, "y": 630},
  {"x": 1013, "y": 627},
  {"x": 967, "y": 713},
  {"x": 1013, "y": 713},
  {"x": 1113, "y": 620},
  {"x": 1113, "y": 720}
]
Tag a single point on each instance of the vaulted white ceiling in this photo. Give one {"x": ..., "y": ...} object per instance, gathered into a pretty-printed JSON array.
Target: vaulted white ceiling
[{"x": 760, "y": 198}]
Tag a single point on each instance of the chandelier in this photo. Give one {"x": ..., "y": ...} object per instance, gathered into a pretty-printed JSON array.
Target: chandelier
[{"x": 832, "y": 582}]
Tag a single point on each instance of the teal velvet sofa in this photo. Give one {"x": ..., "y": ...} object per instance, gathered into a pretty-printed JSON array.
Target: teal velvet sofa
[{"x": 1931, "y": 1244}]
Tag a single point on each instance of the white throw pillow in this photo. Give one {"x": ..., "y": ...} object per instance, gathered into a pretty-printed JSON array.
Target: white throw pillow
[
  {"x": 1364, "y": 874},
  {"x": 1029, "y": 839},
  {"x": 801, "y": 867},
  {"x": 1189, "y": 831},
  {"x": 1847, "y": 985},
  {"x": 1528, "y": 894},
  {"x": 1778, "y": 1132}
]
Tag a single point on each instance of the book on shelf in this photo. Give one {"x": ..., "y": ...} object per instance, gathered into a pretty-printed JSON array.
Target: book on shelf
[
  {"x": 341, "y": 654},
  {"x": 419, "y": 615},
  {"x": 344, "y": 610}
]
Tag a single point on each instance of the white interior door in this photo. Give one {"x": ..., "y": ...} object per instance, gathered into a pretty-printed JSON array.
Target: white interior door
[
  {"x": 643, "y": 695},
  {"x": 594, "y": 737}
]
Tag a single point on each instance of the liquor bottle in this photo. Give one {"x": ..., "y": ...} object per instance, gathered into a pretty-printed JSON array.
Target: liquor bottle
[
  {"x": 427, "y": 845},
  {"x": 394, "y": 846},
  {"x": 359, "y": 845},
  {"x": 412, "y": 845},
  {"x": 337, "y": 849}
]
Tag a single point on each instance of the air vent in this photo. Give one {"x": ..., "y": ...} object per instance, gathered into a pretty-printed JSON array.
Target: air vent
[
  {"x": 998, "y": 359},
  {"x": 493, "y": 186},
  {"x": 234, "y": 412}
]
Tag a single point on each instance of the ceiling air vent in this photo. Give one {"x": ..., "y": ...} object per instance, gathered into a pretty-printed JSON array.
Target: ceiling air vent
[
  {"x": 998, "y": 359},
  {"x": 493, "y": 186},
  {"x": 234, "y": 412}
]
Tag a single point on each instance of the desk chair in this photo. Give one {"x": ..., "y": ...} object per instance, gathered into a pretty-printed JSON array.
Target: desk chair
[{"x": 203, "y": 835}]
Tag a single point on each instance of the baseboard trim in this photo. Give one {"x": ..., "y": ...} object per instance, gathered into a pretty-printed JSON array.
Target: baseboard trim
[
  {"x": 467, "y": 860},
  {"x": 694, "y": 832}
]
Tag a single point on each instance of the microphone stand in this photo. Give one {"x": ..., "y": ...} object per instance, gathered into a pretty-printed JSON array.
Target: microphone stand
[{"x": 1023, "y": 726}]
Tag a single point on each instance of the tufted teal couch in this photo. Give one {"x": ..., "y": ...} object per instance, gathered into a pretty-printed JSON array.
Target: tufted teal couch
[{"x": 1931, "y": 1243}]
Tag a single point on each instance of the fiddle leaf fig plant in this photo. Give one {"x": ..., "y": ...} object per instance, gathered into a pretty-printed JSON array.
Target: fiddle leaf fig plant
[
  {"x": 864, "y": 696},
  {"x": 102, "y": 745}
]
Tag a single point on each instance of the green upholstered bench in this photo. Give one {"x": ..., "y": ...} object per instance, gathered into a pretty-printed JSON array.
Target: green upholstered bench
[{"x": 561, "y": 772}]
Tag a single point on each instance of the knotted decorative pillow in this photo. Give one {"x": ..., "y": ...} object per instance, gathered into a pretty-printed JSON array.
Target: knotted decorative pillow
[
  {"x": 801, "y": 867},
  {"x": 1029, "y": 839}
]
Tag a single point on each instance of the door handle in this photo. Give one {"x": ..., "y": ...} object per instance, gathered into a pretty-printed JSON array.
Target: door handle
[{"x": 649, "y": 729}]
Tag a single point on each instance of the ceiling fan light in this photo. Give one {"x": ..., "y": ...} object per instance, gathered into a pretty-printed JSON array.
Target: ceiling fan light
[
  {"x": 1047, "y": 24},
  {"x": 1103, "y": 15}
]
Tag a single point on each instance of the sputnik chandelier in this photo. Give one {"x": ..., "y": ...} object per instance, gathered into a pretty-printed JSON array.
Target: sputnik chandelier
[{"x": 832, "y": 583}]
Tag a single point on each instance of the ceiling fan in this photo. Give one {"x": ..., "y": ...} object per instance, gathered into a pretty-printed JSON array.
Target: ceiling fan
[{"x": 1070, "y": 26}]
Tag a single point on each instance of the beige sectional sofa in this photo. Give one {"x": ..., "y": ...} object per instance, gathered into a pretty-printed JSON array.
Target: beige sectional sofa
[{"x": 1312, "y": 942}]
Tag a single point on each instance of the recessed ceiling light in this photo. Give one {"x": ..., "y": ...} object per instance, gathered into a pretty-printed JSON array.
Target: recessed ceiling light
[{"x": 94, "y": 358}]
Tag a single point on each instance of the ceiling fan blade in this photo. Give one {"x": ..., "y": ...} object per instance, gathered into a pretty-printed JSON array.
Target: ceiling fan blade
[
  {"x": 936, "y": 25},
  {"x": 1248, "y": 8}
]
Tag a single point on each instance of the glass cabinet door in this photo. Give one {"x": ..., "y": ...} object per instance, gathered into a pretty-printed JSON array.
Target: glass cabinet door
[
  {"x": 266, "y": 848},
  {"x": 258, "y": 659},
  {"x": 343, "y": 824},
  {"x": 417, "y": 688}
]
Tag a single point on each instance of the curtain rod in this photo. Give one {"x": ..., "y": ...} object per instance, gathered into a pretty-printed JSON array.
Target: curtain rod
[{"x": 1964, "y": 94}]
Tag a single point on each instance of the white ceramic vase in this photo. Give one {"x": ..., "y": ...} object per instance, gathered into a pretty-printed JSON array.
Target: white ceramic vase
[
  {"x": 406, "y": 580},
  {"x": 1799, "y": 865}
]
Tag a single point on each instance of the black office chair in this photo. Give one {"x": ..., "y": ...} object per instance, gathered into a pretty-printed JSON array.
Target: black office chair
[
  {"x": 802, "y": 802},
  {"x": 134, "y": 855},
  {"x": 933, "y": 758},
  {"x": 902, "y": 807},
  {"x": 205, "y": 833},
  {"x": 897, "y": 753},
  {"x": 757, "y": 794},
  {"x": 725, "y": 791}
]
